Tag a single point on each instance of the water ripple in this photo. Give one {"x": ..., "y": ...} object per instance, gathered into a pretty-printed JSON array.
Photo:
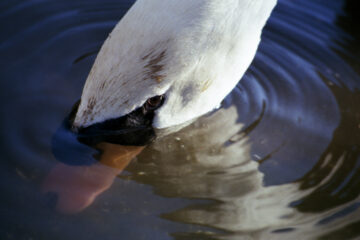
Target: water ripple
[{"x": 279, "y": 160}]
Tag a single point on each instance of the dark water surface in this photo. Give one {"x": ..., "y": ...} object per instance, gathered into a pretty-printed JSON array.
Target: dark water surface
[{"x": 279, "y": 160}]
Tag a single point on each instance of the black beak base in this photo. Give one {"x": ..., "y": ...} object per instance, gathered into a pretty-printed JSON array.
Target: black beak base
[
  {"x": 140, "y": 136},
  {"x": 134, "y": 129}
]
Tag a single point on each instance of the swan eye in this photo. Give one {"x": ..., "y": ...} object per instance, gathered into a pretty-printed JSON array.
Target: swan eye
[{"x": 154, "y": 102}]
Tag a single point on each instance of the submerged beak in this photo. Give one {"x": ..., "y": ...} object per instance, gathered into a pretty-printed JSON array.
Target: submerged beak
[{"x": 72, "y": 188}]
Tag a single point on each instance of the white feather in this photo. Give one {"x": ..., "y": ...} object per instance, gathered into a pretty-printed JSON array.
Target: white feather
[{"x": 193, "y": 51}]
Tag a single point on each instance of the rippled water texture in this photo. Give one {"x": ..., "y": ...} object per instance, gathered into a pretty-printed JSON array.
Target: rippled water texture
[{"x": 279, "y": 160}]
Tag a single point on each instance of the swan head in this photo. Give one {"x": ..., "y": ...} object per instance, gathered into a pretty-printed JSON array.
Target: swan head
[
  {"x": 161, "y": 70},
  {"x": 149, "y": 91}
]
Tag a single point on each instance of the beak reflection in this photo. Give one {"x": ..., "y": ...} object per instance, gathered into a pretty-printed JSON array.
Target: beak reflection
[{"x": 76, "y": 187}]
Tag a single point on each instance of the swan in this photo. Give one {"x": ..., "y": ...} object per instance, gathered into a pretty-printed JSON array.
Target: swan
[{"x": 167, "y": 63}]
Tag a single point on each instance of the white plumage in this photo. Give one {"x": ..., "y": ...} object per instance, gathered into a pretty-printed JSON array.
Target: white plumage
[{"x": 192, "y": 51}]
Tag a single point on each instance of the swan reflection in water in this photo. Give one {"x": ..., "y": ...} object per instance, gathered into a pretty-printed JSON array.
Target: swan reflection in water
[{"x": 210, "y": 160}]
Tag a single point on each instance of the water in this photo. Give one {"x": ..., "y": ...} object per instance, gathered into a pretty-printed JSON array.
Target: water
[{"x": 279, "y": 160}]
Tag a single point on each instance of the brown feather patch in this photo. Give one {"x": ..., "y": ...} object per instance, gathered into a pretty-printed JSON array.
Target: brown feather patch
[{"x": 154, "y": 65}]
